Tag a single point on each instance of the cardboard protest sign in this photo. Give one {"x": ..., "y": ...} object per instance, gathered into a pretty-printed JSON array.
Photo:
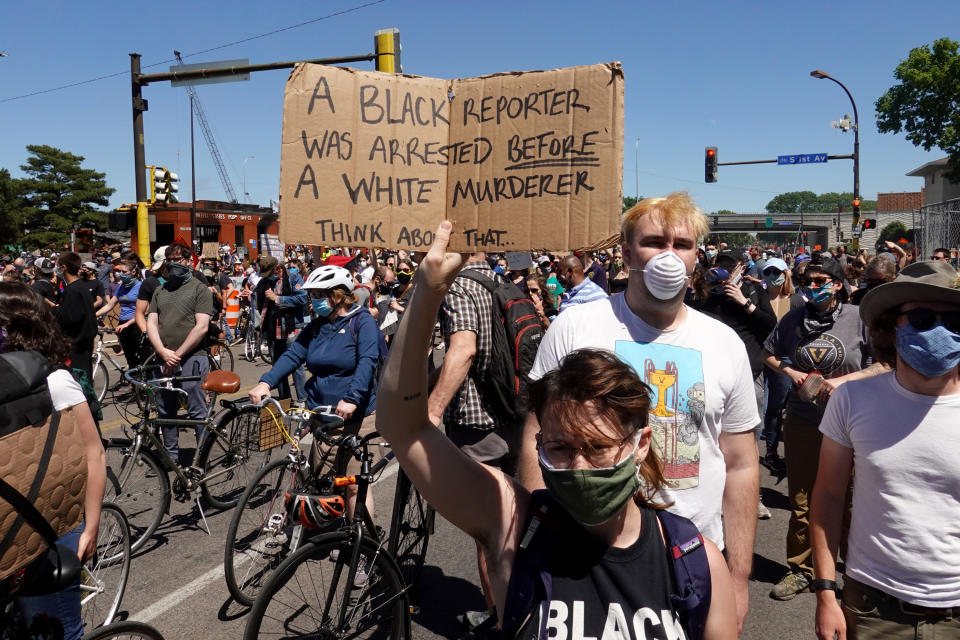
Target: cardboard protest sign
[
  {"x": 517, "y": 161},
  {"x": 209, "y": 250}
]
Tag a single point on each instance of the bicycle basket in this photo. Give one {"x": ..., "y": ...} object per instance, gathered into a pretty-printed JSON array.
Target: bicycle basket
[
  {"x": 313, "y": 511},
  {"x": 270, "y": 434}
]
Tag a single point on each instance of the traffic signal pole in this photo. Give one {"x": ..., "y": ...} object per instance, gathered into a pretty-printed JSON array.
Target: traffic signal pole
[
  {"x": 390, "y": 52},
  {"x": 139, "y": 161}
]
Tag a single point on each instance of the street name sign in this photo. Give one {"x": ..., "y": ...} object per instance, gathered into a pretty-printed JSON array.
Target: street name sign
[{"x": 802, "y": 158}]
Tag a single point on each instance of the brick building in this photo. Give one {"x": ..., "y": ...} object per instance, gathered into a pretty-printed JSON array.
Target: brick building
[
  {"x": 903, "y": 201},
  {"x": 220, "y": 222}
]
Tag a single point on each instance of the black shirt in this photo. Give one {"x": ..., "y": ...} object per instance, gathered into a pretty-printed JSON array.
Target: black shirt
[
  {"x": 45, "y": 288},
  {"x": 594, "y": 585},
  {"x": 77, "y": 318},
  {"x": 753, "y": 328},
  {"x": 95, "y": 287}
]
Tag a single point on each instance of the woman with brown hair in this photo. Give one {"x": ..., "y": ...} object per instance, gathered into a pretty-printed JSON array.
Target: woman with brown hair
[
  {"x": 542, "y": 298},
  {"x": 27, "y": 324},
  {"x": 601, "y": 476}
]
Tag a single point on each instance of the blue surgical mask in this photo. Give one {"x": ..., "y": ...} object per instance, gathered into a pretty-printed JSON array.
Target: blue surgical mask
[
  {"x": 931, "y": 353},
  {"x": 322, "y": 307},
  {"x": 499, "y": 269},
  {"x": 125, "y": 277},
  {"x": 817, "y": 295},
  {"x": 775, "y": 279}
]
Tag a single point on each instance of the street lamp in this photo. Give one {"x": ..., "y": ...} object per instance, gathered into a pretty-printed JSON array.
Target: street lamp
[
  {"x": 823, "y": 75},
  {"x": 636, "y": 168},
  {"x": 245, "y": 194}
]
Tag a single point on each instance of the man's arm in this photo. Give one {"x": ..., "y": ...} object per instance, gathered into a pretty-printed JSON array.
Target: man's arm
[
  {"x": 196, "y": 335},
  {"x": 456, "y": 366},
  {"x": 740, "y": 495},
  {"x": 140, "y": 314},
  {"x": 826, "y": 519}
]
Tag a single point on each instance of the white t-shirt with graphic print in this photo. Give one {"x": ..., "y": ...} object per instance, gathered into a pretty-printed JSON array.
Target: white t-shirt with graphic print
[{"x": 699, "y": 377}]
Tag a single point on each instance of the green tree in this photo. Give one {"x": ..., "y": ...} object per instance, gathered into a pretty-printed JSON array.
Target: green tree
[
  {"x": 738, "y": 240},
  {"x": 926, "y": 101},
  {"x": 628, "y": 202},
  {"x": 11, "y": 207},
  {"x": 828, "y": 202},
  {"x": 724, "y": 212},
  {"x": 794, "y": 202},
  {"x": 894, "y": 232},
  {"x": 60, "y": 195}
]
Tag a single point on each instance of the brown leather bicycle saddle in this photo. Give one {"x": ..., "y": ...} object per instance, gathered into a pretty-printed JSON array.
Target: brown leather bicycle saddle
[{"x": 220, "y": 381}]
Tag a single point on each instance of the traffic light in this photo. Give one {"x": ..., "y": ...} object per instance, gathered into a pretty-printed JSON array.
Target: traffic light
[
  {"x": 165, "y": 186},
  {"x": 710, "y": 164},
  {"x": 869, "y": 223}
]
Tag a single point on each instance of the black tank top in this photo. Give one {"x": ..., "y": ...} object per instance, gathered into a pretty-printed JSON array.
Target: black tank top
[{"x": 605, "y": 592}]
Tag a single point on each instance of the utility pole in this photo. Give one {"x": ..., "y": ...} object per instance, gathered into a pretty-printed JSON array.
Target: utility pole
[{"x": 139, "y": 162}]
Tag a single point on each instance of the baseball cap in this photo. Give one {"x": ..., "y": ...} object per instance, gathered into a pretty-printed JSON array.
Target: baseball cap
[
  {"x": 90, "y": 265},
  {"x": 158, "y": 257},
  {"x": 775, "y": 263},
  {"x": 801, "y": 257},
  {"x": 45, "y": 265},
  {"x": 830, "y": 267}
]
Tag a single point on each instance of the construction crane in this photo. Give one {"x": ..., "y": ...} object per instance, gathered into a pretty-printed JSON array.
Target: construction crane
[{"x": 208, "y": 136}]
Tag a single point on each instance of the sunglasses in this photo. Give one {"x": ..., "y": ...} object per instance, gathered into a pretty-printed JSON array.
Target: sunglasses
[
  {"x": 923, "y": 319},
  {"x": 819, "y": 282}
]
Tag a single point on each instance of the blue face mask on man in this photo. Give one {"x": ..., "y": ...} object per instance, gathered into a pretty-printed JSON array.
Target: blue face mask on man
[
  {"x": 932, "y": 352},
  {"x": 816, "y": 295}
]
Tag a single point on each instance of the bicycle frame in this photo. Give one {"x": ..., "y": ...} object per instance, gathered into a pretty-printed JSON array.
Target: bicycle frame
[{"x": 144, "y": 432}]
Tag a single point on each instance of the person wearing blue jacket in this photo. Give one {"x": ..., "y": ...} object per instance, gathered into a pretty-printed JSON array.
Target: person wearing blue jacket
[{"x": 341, "y": 349}]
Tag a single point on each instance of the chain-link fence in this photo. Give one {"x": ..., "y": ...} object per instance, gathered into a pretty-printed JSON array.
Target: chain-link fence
[{"x": 938, "y": 227}]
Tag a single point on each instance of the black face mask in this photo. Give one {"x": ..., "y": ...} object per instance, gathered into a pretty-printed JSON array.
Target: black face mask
[
  {"x": 404, "y": 278},
  {"x": 384, "y": 288},
  {"x": 178, "y": 274}
]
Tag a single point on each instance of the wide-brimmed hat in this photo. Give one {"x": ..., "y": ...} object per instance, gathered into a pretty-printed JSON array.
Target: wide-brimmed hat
[
  {"x": 267, "y": 264},
  {"x": 918, "y": 282}
]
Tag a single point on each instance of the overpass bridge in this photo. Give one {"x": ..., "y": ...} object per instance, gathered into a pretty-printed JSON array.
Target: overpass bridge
[{"x": 825, "y": 229}]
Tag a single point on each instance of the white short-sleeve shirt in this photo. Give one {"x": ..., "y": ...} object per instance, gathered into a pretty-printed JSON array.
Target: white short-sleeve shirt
[{"x": 699, "y": 377}]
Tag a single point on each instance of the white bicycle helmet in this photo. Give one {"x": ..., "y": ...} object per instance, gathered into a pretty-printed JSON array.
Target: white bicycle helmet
[{"x": 328, "y": 277}]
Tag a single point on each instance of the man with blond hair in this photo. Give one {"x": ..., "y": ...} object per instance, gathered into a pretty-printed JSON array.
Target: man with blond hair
[{"x": 703, "y": 410}]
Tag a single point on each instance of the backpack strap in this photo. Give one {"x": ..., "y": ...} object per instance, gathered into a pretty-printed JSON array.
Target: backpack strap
[
  {"x": 691, "y": 571},
  {"x": 530, "y": 579},
  {"x": 487, "y": 283},
  {"x": 29, "y": 512}
]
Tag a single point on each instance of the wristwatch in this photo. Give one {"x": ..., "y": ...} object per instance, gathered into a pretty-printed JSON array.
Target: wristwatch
[
  {"x": 746, "y": 305},
  {"x": 820, "y": 584}
]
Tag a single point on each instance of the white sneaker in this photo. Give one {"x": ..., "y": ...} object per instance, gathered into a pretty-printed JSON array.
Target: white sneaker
[
  {"x": 362, "y": 575},
  {"x": 762, "y": 512}
]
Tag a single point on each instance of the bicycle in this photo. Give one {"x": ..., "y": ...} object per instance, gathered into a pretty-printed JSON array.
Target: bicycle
[
  {"x": 260, "y": 535},
  {"x": 101, "y": 376},
  {"x": 219, "y": 355},
  {"x": 103, "y": 578},
  {"x": 228, "y": 451},
  {"x": 340, "y": 584},
  {"x": 123, "y": 630}
]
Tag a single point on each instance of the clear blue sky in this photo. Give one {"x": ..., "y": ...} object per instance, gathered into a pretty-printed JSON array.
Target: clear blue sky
[{"x": 734, "y": 75}]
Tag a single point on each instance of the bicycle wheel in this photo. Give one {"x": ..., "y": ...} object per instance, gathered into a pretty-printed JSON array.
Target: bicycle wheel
[
  {"x": 311, "y": 596},
  {"x": 411, "y": 526},
  {"x": 229, "y": 456},
  {"x": 128, "y": 629},
  {"x": 101, "y": 381},
  {"x": 103, "y": 578},
  {"x": 226, "y": 356},
  {"x": 259, "y": 535},
  {"x": 250, "y": 344},
  {"x": 145, "y": 492}
]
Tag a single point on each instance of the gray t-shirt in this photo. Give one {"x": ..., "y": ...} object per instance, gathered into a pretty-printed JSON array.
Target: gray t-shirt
[
  {"x": 177, "y": 309},
  {"x": 840, "y": 350}
]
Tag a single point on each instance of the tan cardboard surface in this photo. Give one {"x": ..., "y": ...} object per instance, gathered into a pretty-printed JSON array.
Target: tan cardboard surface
[
  {"x": 209, "y": 250},
  {"x": 518, "y": 161}
]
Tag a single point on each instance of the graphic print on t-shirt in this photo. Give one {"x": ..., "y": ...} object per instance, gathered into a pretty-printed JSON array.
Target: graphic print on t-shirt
[
  {"x": 824, "y": 354},
  {"x": 677, "y": 401}
]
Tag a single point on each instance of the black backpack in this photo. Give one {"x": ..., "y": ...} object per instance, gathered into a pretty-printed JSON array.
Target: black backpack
[
  {"x": 531, "y": 584},
  {"x": 516, "y": 335}
]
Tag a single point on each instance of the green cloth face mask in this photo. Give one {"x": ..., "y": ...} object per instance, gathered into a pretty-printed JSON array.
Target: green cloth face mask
[{"x": 593, "y": 496}]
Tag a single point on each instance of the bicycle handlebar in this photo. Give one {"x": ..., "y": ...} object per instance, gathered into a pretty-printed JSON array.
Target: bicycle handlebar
[{"x": 324, "y": 411}]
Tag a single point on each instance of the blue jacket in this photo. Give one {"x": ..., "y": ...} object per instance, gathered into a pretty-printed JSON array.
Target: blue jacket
[{"x": 342, "y": 360}]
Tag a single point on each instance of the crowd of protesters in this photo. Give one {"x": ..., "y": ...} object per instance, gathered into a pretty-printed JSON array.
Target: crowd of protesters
[{"x": 846, "y": 363}]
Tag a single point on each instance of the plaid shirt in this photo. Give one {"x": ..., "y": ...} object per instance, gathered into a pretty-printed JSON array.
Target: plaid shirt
[{"x": 469, "y": 307}]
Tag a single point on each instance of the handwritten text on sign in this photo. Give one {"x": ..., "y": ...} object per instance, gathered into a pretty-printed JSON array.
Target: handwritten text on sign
[{"x": 518, "y": 161}]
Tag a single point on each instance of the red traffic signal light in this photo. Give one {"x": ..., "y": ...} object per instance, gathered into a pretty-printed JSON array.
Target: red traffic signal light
[
  {"x": 710, "y": 164},
  {"x": 856, "y": 202},
  {"x": 869, "y": 223}
]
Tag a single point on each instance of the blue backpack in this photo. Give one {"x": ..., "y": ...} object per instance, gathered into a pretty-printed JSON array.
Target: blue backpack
[{"x": 531, "y": 583}]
